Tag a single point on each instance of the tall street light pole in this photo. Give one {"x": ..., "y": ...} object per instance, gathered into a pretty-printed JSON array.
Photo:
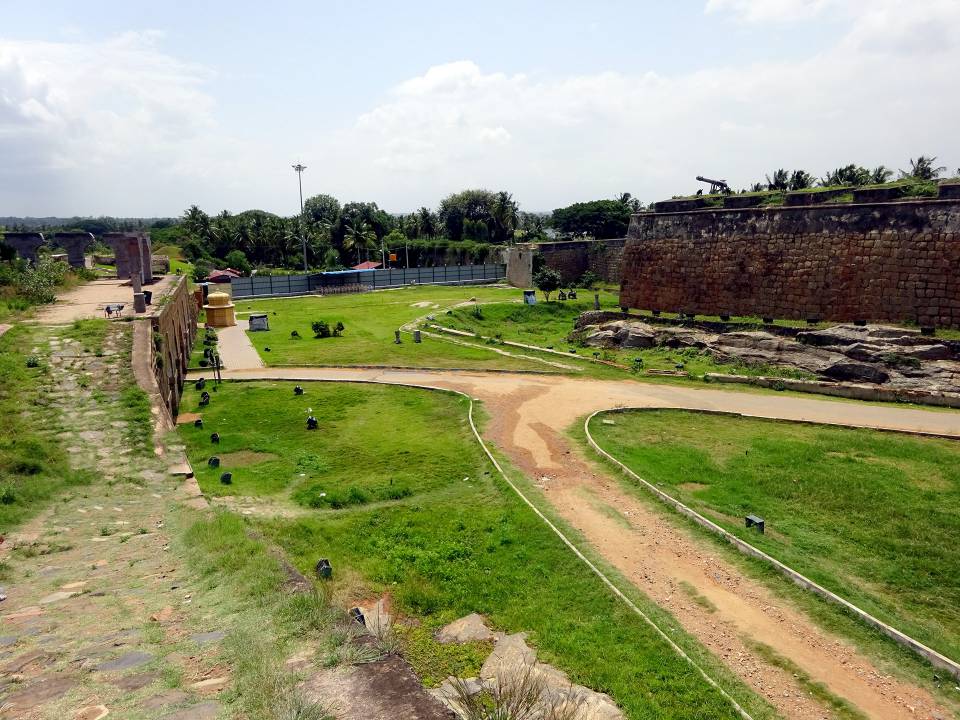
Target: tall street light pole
[{"x": 303, "y": 236}]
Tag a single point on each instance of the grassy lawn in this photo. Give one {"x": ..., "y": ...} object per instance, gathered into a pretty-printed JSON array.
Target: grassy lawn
[
  {"x": 394, "y": 490},
  {"x": 370, "y": 320},
  {"x": 33, "y": 465},
  {"x": 548, "y": 324},
  {"x": 872, "y": 516}
]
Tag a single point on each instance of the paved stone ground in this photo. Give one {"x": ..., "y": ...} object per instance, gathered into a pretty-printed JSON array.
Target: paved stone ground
[{"x": 100, "y": 616}]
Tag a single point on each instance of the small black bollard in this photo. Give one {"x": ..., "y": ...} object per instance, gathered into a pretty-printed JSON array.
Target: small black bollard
[
  {"x": 226, "y": 478},
  {"x": 396, "y": 337},
  {"x": 214, "y": 461},
  {"x": 198, "y": 423},
  {"x": 204, "y": 398},
  {"x": 215, "y": 438},
  {"x": 324, "y": 569},
  {"x": 297, "y": 390},
  {"x": 356, "y": 614},
  {"x": 312, "y": 423},
  {"x": 200, "y": 384}
]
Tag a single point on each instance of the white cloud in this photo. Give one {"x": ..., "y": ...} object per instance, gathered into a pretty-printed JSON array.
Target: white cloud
[
  {"x": 878, "y": 97},
  {"x": 109, "y": 124},
  {"x": 769, "y": 10},
  {"x": 121, "y": 126}
]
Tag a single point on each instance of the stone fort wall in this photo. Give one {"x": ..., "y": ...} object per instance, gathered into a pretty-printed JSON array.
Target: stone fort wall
[
  {"x": 895, "y": 262},
  {"x": 573, "y": 258}
]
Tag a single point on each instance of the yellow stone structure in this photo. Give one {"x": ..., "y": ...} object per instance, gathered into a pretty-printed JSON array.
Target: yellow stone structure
[{"x": 219, "y": 310}]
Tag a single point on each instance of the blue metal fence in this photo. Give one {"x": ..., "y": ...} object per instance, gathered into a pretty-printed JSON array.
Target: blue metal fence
[{"x": 346, "y": 281}]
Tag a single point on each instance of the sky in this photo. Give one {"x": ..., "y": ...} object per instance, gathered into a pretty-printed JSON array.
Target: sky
[{"x": 143, "y": 109}]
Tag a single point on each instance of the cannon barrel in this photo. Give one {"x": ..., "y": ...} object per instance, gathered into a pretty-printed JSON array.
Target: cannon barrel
[{"x": 712, "y": 182}]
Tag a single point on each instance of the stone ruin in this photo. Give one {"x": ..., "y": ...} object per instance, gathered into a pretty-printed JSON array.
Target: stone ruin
[
  {"x": 133, "y": 253},
  {"x": 27, "y": 245},
  {"x": 76, "y": 244}
]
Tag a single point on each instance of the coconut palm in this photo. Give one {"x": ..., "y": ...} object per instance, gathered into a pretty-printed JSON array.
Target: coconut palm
[
  {"x": 801, "y": 180},
  {"x": 880, "y": 174},
  {"x": 923, "y": 169},
  {"x": 359, "y": 236},
  {"x": 779, "y": 181}
]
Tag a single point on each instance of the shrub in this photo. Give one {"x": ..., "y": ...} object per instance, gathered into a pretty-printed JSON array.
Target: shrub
[
  {"x": 38, "y": 283},
  {"x": 338, "y": 330},
  {"x": 588, "y": 280},
  {"x": 33, "y": 361},
  {"x": 320, "y": 329},
  {"x": 547, "y": 280}
]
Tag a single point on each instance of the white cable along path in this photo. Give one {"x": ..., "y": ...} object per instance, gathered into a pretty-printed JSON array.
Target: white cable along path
[
  {"x": 559, "y": 533},
  {"x": 901, "y": 638}
]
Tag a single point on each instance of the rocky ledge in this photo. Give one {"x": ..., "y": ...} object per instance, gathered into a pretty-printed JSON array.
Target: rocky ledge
[{"x": 892, "y": 356}]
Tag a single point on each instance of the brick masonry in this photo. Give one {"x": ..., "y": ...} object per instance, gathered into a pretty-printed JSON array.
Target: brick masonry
[{"x": 894, "y": 262}]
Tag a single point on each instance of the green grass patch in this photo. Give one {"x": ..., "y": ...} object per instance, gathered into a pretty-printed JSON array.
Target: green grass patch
[
  {"x": 461, "y": 542},
  {"x": 434, "y": 662},
  {"x": 89, "y": 333},
  {"x": 33, "y": 465},
  {"x": 871, "y": 516},
  {"x": 135, "y": 404},
  {"x": 551, "y": 325},
  {"x": 370, "y": 320}
]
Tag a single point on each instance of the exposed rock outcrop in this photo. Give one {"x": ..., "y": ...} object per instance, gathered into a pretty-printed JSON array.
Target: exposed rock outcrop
[{"x": 896, "y": 357}]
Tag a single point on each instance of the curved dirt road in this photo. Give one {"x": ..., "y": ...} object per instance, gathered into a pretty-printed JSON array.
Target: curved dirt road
[{"x": 529, "y": 415}]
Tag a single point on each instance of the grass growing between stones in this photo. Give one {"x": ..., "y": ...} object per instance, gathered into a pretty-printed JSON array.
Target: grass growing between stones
[
  {"x": 91, "y": 334},
  {"x": 871, "y": 516},
  {"x": 550, "y": 324},
  {"x": 460, "y": 541},
  {"x": 33, "y": 465},
  {"x": 264, "y": 617},
  {"x": 370, "y": 320}
]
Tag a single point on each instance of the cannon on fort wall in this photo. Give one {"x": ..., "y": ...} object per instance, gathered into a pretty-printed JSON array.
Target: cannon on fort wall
[{"x": 716, "y": 186}]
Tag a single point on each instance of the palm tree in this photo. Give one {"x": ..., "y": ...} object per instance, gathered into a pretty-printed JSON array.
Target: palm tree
[
  {"x": 801, "y": 180},
  {"x": 780, "y": 180},
  {"x": 880, "y": 174},
  {"x": 923, "y": 169},
  {"x": 428, "y": 222},
  {"x": 504, "y": 215},
  {"x": 359, "y": 235}
]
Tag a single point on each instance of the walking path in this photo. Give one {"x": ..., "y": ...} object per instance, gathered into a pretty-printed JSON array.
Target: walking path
[
  {"x": 101, "y": 616},
  {"x": 529, "y": 418}
]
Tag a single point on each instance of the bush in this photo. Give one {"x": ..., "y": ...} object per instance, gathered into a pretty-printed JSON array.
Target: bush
[
  {"x": 589, "y": 280},
  {"x": 338, "y": 330},
  {"x": 320, "y": 329},
  {"x": 547, "y": 280},
  {"x": 38, "y": 283}
]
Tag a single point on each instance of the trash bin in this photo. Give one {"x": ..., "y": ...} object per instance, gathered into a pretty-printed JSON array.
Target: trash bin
[{"x": 147, "y": 296}]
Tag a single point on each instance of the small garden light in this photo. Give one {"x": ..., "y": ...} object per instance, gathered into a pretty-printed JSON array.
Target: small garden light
[
  {"x": 214, "y": 461},
  {"x": 324, "y": 569},
  {"x": 226, "y": 478},
  {"x": 215, "y": 438},
  {"x": 297, "y": 390},
  {"x": 312, "y": 423}
]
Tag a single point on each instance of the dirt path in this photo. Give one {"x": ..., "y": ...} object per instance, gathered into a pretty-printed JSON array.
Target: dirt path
[{"x": 529, "y": 417}]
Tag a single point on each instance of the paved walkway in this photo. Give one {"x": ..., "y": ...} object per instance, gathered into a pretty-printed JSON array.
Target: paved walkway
[{"x": 235, "y": 347}]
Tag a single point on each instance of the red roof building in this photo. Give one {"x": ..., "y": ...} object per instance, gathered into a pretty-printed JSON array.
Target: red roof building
[
  {"x": 368, "y": 265},
  {"x": 223, "y": 276}
]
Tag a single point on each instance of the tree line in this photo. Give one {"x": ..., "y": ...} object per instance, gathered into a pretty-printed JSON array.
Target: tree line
[
  {"x": 922, "y": 169},
  {"x": 465, "y": 228}
]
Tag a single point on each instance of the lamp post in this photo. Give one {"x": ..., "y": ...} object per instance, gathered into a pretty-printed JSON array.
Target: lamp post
[{"x": 303, "y": 237}]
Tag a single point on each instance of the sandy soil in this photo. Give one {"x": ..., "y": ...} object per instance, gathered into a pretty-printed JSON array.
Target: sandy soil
[
  {"x": 528, "y": 419},
  {"x": 89, "y": 299}
]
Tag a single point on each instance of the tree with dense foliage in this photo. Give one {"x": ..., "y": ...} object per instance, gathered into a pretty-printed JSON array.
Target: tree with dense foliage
[
  {"x": 801, "y": 180},
  {"x": 479, "y": 215},
  {"x": 597, "y": 218},
  {"x": 546, "y": 281}
]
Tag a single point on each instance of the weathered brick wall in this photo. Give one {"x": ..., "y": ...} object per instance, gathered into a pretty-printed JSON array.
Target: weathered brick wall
[
  {"x": 897, "y": 262},
  {"x": 176, "y": 324},
  {"x": 573, "y": 258}
]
